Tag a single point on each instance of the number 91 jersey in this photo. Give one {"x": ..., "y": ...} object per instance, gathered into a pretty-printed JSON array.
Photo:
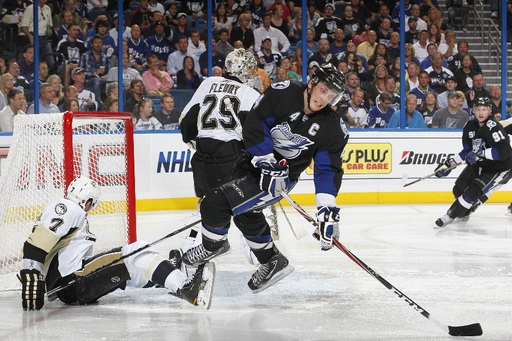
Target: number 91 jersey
[{"x": 218, "y": 103}]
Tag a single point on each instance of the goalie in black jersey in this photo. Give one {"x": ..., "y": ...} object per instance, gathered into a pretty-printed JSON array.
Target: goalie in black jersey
[
  {"x": 59, "y": 252},
  {"x": 290, "y": 125},
  {"x": 487, "y": 152}
]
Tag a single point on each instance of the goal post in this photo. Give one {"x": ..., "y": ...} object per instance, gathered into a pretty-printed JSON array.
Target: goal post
[{"x": 47, "y": 152}]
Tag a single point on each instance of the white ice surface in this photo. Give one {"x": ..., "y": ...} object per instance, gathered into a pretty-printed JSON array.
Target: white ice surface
[{"x": 461, "y": 274}]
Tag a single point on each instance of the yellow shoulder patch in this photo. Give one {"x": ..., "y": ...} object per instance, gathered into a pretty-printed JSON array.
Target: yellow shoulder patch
[{"x": 43, "y": 238}]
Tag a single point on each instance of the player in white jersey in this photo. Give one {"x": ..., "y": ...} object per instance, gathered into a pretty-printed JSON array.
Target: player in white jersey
[
  {"x": 212, "y": 124},
  {"x": 60, "y": 250},
  {"x": 212, "y": 120}
]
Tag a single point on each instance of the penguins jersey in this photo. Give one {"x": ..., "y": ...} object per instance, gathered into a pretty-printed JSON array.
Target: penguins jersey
[
  {"x": 277, "y": 124},
  {"x": 214, "y": 110},
  {"x": 495, "y": 141},
  {"x": 61, "y": 229}
]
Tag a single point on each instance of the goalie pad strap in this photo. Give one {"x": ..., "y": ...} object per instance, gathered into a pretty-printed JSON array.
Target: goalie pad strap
[{"x": 161, "y": 272}]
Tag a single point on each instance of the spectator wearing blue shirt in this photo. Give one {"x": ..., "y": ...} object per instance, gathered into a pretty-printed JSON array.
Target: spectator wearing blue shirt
[
  {"x": 159, "y": 45},
  {"x": 380, "y": 114},
  {"x": 96, "y": 65},
  {"x": 422, "y": 88},
  {"x": 46, "y": 106},
  {"x": 413, "y": 118},
  {"x": 138, "y": 48}
]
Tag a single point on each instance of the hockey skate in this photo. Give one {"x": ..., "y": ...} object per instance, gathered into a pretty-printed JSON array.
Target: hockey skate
[
  {"x": 510, "y": 207},
  {"x": 271, "y": 272},
  {"x": 443, "y": 221},
  {"x": 464, "y": 219},
  {"x": 197, "y": 290},
  {"x": 199, "y": 255}
]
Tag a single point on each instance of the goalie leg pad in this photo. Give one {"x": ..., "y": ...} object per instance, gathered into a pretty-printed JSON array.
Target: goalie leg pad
[{"x": 100, "y": 283}]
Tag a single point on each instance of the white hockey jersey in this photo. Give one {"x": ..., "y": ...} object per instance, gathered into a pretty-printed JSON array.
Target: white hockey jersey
[
  {"x": 68, "y": 221},
  {"x": 220, "y": 100}
]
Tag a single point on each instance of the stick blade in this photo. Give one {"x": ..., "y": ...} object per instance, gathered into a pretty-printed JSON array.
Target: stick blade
[{"x": 474, "y": 329}]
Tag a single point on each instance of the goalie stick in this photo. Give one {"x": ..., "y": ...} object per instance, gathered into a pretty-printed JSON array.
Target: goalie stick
[
  {"x": 115, "y": 261},
  {"x": 467, "y": 330}
]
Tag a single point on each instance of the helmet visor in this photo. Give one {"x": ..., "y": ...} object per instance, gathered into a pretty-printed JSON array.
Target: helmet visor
[{"x": 329, "y": 93}]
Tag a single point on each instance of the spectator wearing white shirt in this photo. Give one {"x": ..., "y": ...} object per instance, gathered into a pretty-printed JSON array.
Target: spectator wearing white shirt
[
  {"x": 86, "y": 98},
  {"x": 127, "y": 31},
  {"x": 195, "y": 45},
  {"x": 420, "y": 47},
  {"x": 175, "y": 61},
  {"x": 154, "y": 6},
  {"x": 279, "y": 41},
  {"x": 16, "y": 101},
  {"x": 45, "y": 25},
  {"x": 415, "y": 13}
]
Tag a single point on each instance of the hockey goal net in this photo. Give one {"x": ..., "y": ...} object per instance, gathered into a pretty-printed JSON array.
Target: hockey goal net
[{"x": 47, "y": 152}]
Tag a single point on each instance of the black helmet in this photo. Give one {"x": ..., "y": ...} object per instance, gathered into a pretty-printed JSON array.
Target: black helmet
[
  {"x": 482, "y": 101},
  {"x": 332, "y": 78}
]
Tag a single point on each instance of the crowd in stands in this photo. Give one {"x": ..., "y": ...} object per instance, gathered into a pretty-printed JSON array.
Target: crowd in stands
[{"x": 164, "y": 48}]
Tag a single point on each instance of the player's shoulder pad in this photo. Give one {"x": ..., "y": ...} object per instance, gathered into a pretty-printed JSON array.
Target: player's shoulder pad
[{"x": 491, "y": 124}]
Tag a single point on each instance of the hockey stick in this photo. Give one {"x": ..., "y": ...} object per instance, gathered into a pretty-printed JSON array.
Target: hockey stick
[
  {"x": 117, "y": 260},
  {"x": 298, "y": 232},
  {"x": 426, "y": 176},
  {"x": 420, "y": 179},
  {"x": 468, "y": 330}
]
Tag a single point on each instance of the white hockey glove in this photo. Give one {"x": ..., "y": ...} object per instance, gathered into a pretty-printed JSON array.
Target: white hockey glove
[
  {"x": 274, "y": 177},
  {"x": 444, "y": 169},
  {"x": 328, "y": 218},
  {"x": 33, "y": 289}
]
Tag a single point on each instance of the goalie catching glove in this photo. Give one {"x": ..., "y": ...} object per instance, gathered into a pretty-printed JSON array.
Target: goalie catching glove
[
  {"x": 33, "y": 289},
  {"x": 328, "y": 227},
  {"x": 274, "y": 177}
]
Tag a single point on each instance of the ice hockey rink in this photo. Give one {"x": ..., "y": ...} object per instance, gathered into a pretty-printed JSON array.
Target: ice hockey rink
[{"x": 460, "y": 274}]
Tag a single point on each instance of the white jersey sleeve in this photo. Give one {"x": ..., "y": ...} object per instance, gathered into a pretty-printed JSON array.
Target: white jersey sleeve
[
  {"x": 220, "y": 101},
  {"x": 63, "y": 230}
]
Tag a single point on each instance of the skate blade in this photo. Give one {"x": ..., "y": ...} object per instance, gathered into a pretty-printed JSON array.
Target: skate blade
[
  {"x": 278, "y": 276},
  {"x": 204, "y": 297}
]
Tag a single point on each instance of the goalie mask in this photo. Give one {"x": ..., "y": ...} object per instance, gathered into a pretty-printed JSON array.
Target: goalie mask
[
  {"x": 242, "y": 65},
  {"x": 333, "y": 79},
  {"x": 83, "y": 189}
]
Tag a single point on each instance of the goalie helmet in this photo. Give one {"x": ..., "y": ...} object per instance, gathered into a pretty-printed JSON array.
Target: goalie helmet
[
  {"x": 332, "y": 78},
  {"x": 83, "y": 189},
  {"x": 482, "y": 101},
  {"x": 242, "y": 65}
]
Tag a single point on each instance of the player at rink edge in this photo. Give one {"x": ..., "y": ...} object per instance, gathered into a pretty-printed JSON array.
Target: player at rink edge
[
  {"x": 60, "y": 250},
  {"x": 290, "y": 125},
  {"x": 488, "y": 154}
]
